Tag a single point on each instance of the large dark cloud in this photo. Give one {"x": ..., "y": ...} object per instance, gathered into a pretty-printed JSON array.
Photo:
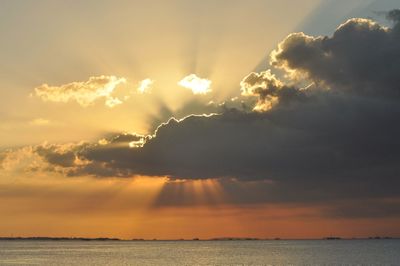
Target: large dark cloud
[
  {"x": 329, "y": 147},
  {"x": 361, "y": 57},
  {"x": 336, "y": 140},
  {"x": 327, "y": 135},
  {"x": 56, "y": 156},
  {"x": 394, "y": 15}
]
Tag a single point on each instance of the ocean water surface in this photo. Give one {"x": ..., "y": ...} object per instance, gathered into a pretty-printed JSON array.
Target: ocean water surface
[{"x": 269, "y": 252}]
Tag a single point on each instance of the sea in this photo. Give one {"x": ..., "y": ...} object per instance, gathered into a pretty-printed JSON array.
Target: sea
[{"x": 241, "y": 252}]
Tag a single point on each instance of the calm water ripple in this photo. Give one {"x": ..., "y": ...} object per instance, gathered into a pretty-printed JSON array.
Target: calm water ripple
[{"x": 283, "y": 252}]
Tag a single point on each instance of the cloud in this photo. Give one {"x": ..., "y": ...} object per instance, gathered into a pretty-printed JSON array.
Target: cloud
[
  {"x": 195, "y": 84},
  {"x": 84, "y": 93},
  {"x": 362, "y": 57},
  {"x": 268, "y": 89},
  {"x": 394, "y": 15},
  {"x": 145, "y": 86},
  {"x": 111, "y": 102},
  {"x": 323, "y": 137},
  {"x": 58, "y": 155},
  {"x": 336, "y": 140},
  {"x": 19, "y": 160},
  {"x": 285, "y": 131}
]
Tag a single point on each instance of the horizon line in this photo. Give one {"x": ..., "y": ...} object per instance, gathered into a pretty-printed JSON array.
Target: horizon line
[{"x": 38, "y": 238}]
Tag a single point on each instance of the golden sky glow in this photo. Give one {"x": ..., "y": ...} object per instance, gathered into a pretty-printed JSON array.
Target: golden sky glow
[
  {"x": 83, "y": 77},
  {"x": 219, "y": 48},
  {"x": 123, "y": 208}
]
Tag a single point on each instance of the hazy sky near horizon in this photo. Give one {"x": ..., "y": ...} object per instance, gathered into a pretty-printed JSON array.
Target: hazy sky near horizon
[{"x": 88, "y": 146}]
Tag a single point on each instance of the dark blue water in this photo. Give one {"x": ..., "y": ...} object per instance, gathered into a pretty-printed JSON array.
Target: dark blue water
[{"x": 291, "y": 252}]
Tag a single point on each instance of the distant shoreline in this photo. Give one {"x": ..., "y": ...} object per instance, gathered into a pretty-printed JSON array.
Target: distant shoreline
[{"x": 42, "y": 238}]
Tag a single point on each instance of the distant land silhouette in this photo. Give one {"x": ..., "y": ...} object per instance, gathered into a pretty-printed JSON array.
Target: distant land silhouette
[
  {"x": 45, "y": 238},
  {"x": 61, "y": 238}
]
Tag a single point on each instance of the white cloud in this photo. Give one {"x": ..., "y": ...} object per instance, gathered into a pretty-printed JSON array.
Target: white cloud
[
  {"x": 111, "y": 102},
  {"x": 196, "y": 84},
  {"x": 85, "y": 93},
  {"x": 145, "y": 86}
]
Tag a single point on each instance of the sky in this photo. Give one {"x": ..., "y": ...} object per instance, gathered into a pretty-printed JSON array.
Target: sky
[{"x": 185, "y": 119}]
